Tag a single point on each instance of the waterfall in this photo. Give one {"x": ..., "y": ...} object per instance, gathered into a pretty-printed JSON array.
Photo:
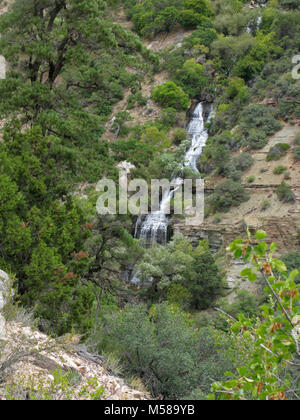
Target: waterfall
[
  {"x": 254, "y": 25},
  {"x": 153, "y": 229}
]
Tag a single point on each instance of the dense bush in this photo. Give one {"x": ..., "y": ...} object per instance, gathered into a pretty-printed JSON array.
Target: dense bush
[
  {"x": 259, "y": 117},
  {"x": 172, "y": 96},
  {"x": 179, "y": 135},
  {"x": 162, "y": 347},
  {"x": 191, "y": 78},
  {"x": 285, "y": 193},
  {"x": 243, "y": 161},
  {"x": 204, "y": 35},
  {"x": 194, "y": 12},
  {"x": 193, "y": 272},
  {"x": 278, "y": 151},
  {"x": 257, "y": 139},
  {"x": 279, "y": 170},
  {"x": 297, "y": 152},
  {"x": 227, "y": 194}
]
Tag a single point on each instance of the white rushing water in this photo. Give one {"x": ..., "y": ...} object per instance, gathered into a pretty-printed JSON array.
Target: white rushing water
[{"x": 155, "y": 225}]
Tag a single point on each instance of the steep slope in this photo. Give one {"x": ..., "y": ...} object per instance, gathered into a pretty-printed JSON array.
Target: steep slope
[{"x": 34, "y": 366}]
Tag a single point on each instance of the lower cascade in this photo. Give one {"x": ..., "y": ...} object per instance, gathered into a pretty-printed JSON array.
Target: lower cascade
[{"x": 153, "y": 228}]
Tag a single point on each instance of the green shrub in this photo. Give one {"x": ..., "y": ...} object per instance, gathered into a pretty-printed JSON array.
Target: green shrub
[
  {"x": 168, "y": 117},
  {"x": 251, "y": 179},
  {"x": 155, "y": 137},
  {"x": 191, "y": 77},
  {"x": 243, "y": 162},
  {"x": 195, "y": 11},
  {"x": 172, "y": 96},
  {"x": 297, "y": 152},
  {"x": 279, "y": 170},
  {"x": 237, "y": 166},
  {"x": 278, "y": 151},
  {"x": 227, "y": 194},
  {"x": 237, "y": 90},
  {"x": 217, "y": 219},
  {"x": 179, "y": 135},
  {"x": 257, "y": 122},
  {"x": 257, "y": 139},
  {"x": 165, "y": 350},
  {"x": 292, "y": 261},
  {"x": 265, "y": 205},
  {"x": 285, "y": 193},
  {"x": 205, "y": 34},
  {"x": 297, "y": 140}
]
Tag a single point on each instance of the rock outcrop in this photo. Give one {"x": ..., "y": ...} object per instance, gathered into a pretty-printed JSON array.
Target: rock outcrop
[
  {"x": 2, "y": 67},
  {"x": 31, "y": 360},
  {"x": 4, "y": 280}
]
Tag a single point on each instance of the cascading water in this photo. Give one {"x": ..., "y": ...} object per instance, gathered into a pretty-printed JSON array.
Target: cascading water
[
  {"x": 254, "y": 25},
  {"x": 154, "y": 227}
]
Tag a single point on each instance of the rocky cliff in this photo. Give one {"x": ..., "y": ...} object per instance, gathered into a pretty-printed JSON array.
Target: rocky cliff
[{"x": 35, "y": 366}]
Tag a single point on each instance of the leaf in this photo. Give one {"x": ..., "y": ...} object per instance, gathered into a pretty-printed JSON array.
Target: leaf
[
  {"x": 293, "y": 275},
  {"x": 279, "y": 265},
  {"x": 238, "y": 253},
  {"x": 273, "y": 247},
  {"x": 252, "y": 277},
  {"x": 246, "y": 272},
  {"x": 260, "y": 234}
]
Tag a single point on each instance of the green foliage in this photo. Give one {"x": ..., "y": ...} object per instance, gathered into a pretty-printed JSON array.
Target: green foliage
[
  {"x": 289, "y": 4},
  {"x": 227, "y": 194},
  {"x": 164, "y": 349},
  {"x": 195, "y": 12},
  {"x": 153, "y": 16},
  {"x": 297, "y": 140},
  {"x": 257, "y": 122},
  {"x": 265, "y": 205},
  {"x": 297, "y": 152},
  {"x": 192, "y": 78},
  {"x": 279, "y": 170},
  {"x": 237, "y": 90},
  {"x": 172, "y": 96},
  {"x": 245, "y": 303},
  {"x": 292, "y": 262},
  {"x": 61, "y": 82},
  {"x": 61, "y": 387},
  {"x": 156, "y": 138},
  {"x": 251, "y": 179},
  {"x": 193, "y": 272},
  {"x": 278, "y": 151},
  {"x": 204, "y": 35},
  {"x": 179, "y": 136},
  {"x": 276, "y": 342},
  {"x": 243, "y": 161},
  {"x": 285, "y": 193}
]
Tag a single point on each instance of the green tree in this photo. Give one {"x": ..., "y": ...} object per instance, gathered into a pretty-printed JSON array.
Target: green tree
[
  {"x": 172, "y": 96},
  {"x": 195, "y": 11},
  {"x": 193, "y": 271},
  {"x": 192, "y": 78}
]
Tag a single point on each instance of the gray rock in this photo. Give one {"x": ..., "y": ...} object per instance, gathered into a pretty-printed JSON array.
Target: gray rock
[
  {"x": 2, "y": 67},
  {"x": 4, "y": 280}
]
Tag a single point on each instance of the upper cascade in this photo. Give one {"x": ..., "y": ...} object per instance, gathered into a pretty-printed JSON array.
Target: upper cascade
[{"x": 154, "y": 227}]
